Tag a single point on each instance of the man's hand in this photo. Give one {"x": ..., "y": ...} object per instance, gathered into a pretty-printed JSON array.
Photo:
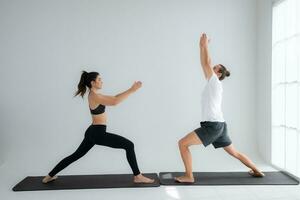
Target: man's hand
[{"x": 203, "y": 41}]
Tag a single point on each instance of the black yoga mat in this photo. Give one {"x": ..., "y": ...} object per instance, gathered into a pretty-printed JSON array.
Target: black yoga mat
[
  {"x": 64, "y": 182},
  {"x": 229, "y": 178}
]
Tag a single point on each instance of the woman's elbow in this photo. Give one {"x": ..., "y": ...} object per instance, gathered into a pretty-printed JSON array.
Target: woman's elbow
[{"x": 115, "y": 102}]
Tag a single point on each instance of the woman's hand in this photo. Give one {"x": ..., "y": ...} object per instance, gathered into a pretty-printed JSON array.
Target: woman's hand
[
  {"x": 136, "y": 85},
  {"x": 203, "y": 40},
  {"x": 122, "y": 96}
]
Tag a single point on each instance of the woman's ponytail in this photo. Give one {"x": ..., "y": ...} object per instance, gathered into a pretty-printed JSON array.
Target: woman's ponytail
[{"x": 82, "y": 84}]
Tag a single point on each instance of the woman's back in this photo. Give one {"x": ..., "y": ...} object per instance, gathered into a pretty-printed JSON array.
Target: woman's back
[{"x": 96, "y": 118}]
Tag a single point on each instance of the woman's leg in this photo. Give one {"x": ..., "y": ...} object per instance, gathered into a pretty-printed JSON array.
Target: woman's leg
[
  {"x": 244, "y": 159},
  {"x": 117, "y": 141},
  {"x": 83, "y": 148},
  {"x": 184, "y": 144}
]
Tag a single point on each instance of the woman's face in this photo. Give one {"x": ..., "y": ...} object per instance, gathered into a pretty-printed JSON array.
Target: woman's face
[{"x": 97, "y": 83}]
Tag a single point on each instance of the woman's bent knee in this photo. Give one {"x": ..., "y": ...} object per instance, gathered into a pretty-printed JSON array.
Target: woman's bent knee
[{"x": 129, "y": 145}]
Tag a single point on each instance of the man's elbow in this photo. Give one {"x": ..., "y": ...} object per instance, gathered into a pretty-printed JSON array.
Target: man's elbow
[{"x": 207, "y": 64}]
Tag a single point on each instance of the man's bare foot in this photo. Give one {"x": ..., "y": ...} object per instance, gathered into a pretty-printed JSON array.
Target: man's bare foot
[
  {"x": 185, "y": 179},
  {"x": 256, "y": 174},
  {"x": 48, "y": 179},
  {"x": 142, "y": 179}
]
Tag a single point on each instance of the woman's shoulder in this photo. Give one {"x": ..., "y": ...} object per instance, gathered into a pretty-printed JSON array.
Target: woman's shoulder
[{"x": 94, "y": 94}]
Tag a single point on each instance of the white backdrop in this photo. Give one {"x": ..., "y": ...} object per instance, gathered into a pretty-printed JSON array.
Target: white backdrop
[
  {"x": 46, "y": 44},
  {"x": 264, "y": 77}
]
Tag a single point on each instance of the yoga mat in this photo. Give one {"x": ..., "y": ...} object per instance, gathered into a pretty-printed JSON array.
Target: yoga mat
[
  {"x": 66, "y": 182},
  {"x": 229, "y": 178}
]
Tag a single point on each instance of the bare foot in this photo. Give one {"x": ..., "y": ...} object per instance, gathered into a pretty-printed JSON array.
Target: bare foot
[
  {"x": 48, "y": 179},
  {"x": 142, "y": 179},
  {"x": 256, "y": 174},
  {"x": 185, "y": 179}
]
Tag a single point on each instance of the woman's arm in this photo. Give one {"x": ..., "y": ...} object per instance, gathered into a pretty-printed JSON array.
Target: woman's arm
[
  {"x": 114, "y": 100},
  {"x": 204, "y": 56}
]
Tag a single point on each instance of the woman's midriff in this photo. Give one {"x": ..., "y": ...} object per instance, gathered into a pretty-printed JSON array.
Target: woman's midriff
[{"x": 99, "y": 119}]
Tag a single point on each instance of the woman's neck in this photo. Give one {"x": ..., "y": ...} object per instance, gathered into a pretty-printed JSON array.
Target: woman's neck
[{"x": 94, "y": 90}]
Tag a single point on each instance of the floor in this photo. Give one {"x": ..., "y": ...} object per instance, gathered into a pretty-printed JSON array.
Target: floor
[{"x": 9, "y": 177}]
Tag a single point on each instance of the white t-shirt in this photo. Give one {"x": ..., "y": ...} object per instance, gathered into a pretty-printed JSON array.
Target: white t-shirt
[{"x": 212, "y": 100}]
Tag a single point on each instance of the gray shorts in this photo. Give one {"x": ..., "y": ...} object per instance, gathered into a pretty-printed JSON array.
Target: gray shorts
[{"x": 214, "y": 133}]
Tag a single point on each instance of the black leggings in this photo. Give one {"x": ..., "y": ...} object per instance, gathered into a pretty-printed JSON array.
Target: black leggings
[{"x": 96, "y": 134}]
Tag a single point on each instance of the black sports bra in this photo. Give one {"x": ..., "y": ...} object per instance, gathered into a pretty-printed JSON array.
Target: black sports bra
[{"x": 99, "y": 110}]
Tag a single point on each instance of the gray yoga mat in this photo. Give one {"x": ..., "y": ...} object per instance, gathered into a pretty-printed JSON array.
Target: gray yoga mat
[
  {"x": 66, "y": 182},
  {"x": 229, "y": 178}
]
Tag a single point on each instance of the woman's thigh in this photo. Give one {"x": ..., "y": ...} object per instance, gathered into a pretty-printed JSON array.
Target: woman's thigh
[{"x": 113, "y": 140}]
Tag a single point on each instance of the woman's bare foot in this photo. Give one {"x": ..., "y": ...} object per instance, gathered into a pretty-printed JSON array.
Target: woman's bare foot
[
  {"x": 48, "y": 179},
  {"x": 256, "y": 174},
  {"x": 185, "y": 179},
  {"x": 142, "y": 179}
]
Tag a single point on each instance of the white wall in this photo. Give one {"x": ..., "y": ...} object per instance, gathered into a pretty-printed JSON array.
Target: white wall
[
  {"x": 45, "y": 45},
  {"x": 264, "y": 77}
]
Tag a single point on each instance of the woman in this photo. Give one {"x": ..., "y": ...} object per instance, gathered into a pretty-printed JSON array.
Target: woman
[
  {"x": 96, "y": 132},
  {"x": 213, "y": 128}
]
